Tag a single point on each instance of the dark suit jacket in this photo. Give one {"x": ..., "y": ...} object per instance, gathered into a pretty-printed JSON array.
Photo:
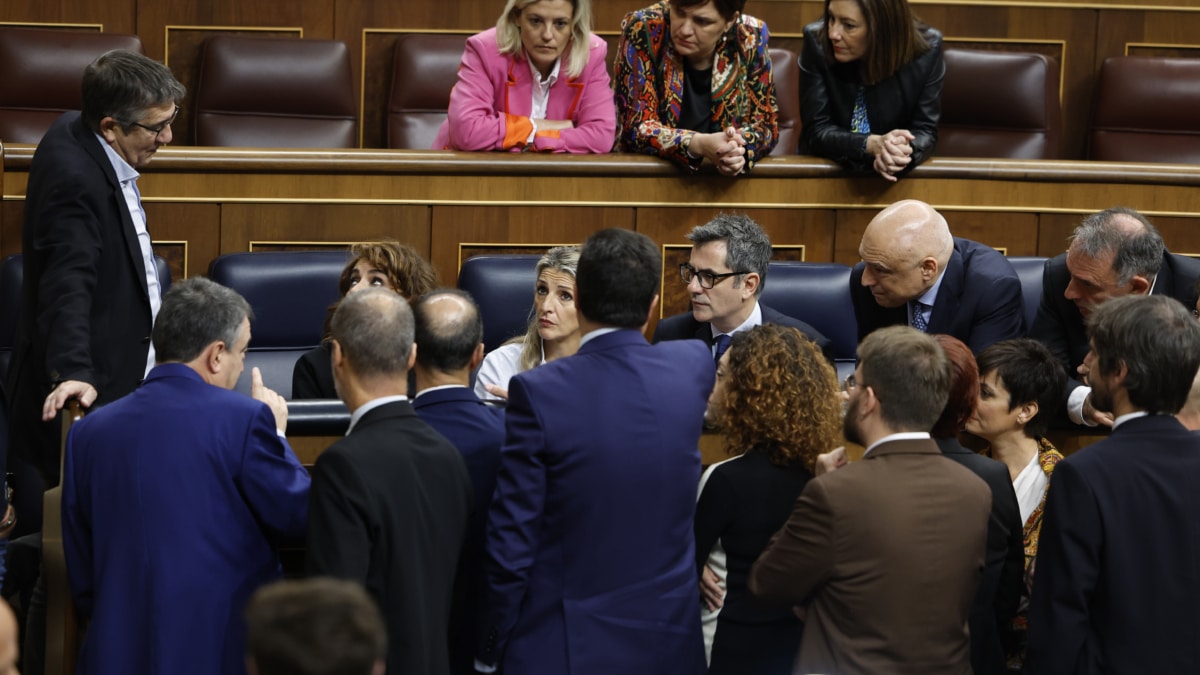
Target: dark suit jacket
[
  {"x": 909, "y": 99},
  {"x": 886, "y": 553},
  {"x": 1118, "y": 566},
  {"x": 85, "y": 310},
  {"x": 174, "y": 501},
  {"x": 477, "y": 430},
  {"x": 1000, "y": 588},
  {"x": 1059, "y": 325},
  {"x": 686, "y": 327},
  {"x": 590, "y": 564},
  {"x": 312, "y": 377},
  {"x": 979, "y": 301},
  {"x": 389, "y": 509}
]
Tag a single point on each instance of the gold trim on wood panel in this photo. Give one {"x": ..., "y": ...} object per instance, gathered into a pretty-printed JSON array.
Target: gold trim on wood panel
[
  {"x": 1062, "y": 64},
  {"x": 298, "y": 30},
  {"x": 275, "y": 242},
  {"x": 39, "y": 24},
  {"x": 1161, "y": 45},
  {"x": 174, "y": 242},
  {"x": 501, "y": 244}
]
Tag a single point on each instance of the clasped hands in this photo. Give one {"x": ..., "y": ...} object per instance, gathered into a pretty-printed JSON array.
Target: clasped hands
[
  {"x": 892, "y": 152},
  {"x": 725, "y": 150}
]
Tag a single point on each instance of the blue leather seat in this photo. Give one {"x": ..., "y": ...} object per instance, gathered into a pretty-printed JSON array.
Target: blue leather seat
[
  {"x": 290, "y": 292},
  {"x": 819, "y": 295},
  {"x": 1030, "y": 269},
  {"x": 502, "y": 286}
]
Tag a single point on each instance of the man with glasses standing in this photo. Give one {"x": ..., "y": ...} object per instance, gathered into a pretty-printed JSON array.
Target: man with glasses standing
[
  {"x": 914, "y": 273},
  {"x": 725, "y": 275},
  {"x": 90, "y": 289}
]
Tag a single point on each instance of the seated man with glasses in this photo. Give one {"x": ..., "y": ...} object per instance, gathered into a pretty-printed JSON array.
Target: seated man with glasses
[{"x": 725, "y": 275}]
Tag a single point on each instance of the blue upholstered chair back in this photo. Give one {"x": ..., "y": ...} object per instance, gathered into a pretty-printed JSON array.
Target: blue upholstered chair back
[
  {"x": 502, "y": 286},
  {"x": 819, "y": 295},
  {"x": 1030, "y": 269},
  {"x": 290, "y": 292}
]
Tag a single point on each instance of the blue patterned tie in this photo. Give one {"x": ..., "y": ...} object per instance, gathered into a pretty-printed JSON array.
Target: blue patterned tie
[
  {"x": 722, "y": 344},
  {"x": 918, "y": 316}
]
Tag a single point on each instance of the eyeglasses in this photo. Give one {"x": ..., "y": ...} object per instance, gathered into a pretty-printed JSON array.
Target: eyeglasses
[
  {"x": 158, "y": 129},
  {"x": 707, "y": 279},
  {"x": 849, "y": 383}
]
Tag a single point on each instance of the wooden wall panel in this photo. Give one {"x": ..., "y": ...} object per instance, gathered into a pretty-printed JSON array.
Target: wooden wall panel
[
  {"x": 245, "y": 225},
  {"x": 112, "y": 17},
  {"x": 496, "y": 226},
  {"x": 188, "y": 235}
]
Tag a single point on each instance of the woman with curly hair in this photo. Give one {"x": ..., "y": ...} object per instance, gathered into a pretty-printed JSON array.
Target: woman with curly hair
[
  {"x": 377, "y": 264},
  {"x": 776, "y": 401}
]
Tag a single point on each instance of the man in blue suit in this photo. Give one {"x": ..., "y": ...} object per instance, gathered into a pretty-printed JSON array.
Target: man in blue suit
[
  {"x": 449, "y": 335},
  {"x": 914, "y": 273},
  {"x": 590, "y": 563},
  {"x": 1118, "y": 570},
  {"x": 176, "y": 497}
]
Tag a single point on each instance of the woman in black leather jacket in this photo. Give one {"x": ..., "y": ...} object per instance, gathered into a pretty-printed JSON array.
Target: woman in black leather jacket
[{"x": 871, "y": 86}]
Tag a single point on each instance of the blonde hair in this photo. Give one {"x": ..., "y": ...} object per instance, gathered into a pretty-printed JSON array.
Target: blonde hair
[
  {"x": 561, "y": 259},
  {"x": 575, "y": 58}
]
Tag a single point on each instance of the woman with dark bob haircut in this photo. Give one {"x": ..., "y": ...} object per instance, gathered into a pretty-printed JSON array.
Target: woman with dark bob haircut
[
  {"x": 871, "y": 86},
  {"x": 1000, "y": 587},
  {"x": 1021, "y": 385},
  {"x": 694, "y": 85},
  {"x": 382, "y": 264},
  {"x": 776, "y": 400}
]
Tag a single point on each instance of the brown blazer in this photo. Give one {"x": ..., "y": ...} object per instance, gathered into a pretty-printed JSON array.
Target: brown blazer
[{"x": 885, "y": 554}]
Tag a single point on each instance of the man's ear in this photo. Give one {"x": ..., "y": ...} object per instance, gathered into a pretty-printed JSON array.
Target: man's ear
[
  {"x": 653, "y": 306},
  {"x": 215, "y": 355},
  {"x": 750, "y": 283},
  {"x": 476, "y": 357},
  {"x": 412, "y": 356},
  {"x": 929, "y": 267},
  {"x": 108, "y": 129},
  {"x": 1139, "y": 285}
]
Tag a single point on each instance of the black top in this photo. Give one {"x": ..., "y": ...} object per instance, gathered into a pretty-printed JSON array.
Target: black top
[
  {"x": 745, "y": 501},
  {"x": 697, "y": 100},
  {"x": 313, "y": 377}
]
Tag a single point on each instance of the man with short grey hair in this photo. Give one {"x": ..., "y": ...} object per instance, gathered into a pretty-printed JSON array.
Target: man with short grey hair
[
  {"x": 176, "y": 496},
  {"x": 390, "y": 501},
  {"x": 1117, "y": 575},
  {"x": 1112, "y": 253},
  {"x": 725, "y": 275}
]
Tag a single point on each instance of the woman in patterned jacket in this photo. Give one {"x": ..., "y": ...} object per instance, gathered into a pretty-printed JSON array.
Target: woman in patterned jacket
[{"x": 694, "y": 85}]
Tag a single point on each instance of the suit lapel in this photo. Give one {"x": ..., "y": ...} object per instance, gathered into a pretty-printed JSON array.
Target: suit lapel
[
  {"x": 518, "y": 90},
  {"x": 945, "y": 307},
  {"x": 564, "y": 97}
]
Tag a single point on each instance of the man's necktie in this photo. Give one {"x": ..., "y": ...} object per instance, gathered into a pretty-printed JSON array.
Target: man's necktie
[
  {"x": 918, "y": 316},
  {"x": 722, "y": 344}
]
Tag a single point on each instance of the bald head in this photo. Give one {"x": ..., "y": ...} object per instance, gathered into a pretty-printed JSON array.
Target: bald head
[
  {"x": 449, "y": 331},
  {"x": 905, "y": 249}
]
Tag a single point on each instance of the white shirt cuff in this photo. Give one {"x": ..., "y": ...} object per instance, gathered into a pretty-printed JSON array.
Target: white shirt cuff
[
  {"x": 1075, "y": 405},
  {"x": 532, "y": 133},
  {"x": 481, "y": 667}
]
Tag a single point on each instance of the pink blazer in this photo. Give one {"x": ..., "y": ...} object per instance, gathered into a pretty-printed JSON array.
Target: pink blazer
[{"x": 490, "y": 104}]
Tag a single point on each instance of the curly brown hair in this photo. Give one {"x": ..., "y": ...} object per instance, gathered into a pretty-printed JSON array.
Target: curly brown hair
[
  {"x": 782, "y": 394},
  {"x": 411, "y": 275}
]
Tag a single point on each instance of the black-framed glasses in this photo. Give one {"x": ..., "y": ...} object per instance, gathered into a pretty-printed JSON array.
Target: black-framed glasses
[
  {"x": 158, "y": 128},
  {"x": 707, "y": 279},
  {"x": 849, "y": 383}
]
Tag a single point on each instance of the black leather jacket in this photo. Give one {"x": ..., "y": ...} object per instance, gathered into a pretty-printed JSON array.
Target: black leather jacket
[{"x": 910, "y": 99}]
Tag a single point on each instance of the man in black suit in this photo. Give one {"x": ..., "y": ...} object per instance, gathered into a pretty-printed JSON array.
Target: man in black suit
[
  {"x": 1117, "y": 576},
  {"x": 389, "y": 503},
  {"x": 733, "y": 247},
  {"x": 1113, "y": 253},
  {"x": 914, "y": 273},
  {"x": 90, "y": 291},
  {"x": 449, "y": 332}
]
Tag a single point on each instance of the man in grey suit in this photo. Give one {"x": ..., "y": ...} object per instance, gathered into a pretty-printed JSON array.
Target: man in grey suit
[
  {"x": 885, "y": 554},
  {"x": 389, "y": 503}
]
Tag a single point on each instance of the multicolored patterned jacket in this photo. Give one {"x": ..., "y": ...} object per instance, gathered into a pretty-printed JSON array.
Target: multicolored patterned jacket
[{"x": 649, "y": 88}]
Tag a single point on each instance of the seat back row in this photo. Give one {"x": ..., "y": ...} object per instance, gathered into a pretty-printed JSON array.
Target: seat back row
[{"x": 288, "y": 92}]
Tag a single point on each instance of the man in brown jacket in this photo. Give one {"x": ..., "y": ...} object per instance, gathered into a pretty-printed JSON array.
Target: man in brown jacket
[{"x": 884, "y": 554}]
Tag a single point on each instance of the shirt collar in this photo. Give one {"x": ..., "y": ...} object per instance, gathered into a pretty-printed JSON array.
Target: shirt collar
[
  {"x": 755, "y": 319},
  {"x": 537, "y": 76},
  {"x": 930, "y": 296},
  {"x": 369, "y": 406},
  {"x": 438, "y": 388},
  {"x": 594, "y": 334},
  {"x": 1128, "y": 416},
  {"x": 125, "y": 172},
  {"x": 902, "y": 436}
]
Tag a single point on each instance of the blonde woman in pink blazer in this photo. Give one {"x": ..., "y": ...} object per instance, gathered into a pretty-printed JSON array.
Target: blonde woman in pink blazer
[{"x": 537, "y": 81}]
